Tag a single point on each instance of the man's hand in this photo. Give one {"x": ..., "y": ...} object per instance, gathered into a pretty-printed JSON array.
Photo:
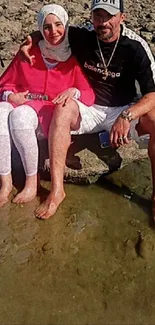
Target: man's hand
[
  {"x": 24, "y": 51},
  {"x": 18, "y": 98},
  {"x": 64, "y": 97},
  {"x": 119, "y": 132}
]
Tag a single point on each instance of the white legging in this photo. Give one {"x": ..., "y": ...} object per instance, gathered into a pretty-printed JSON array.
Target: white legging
[{"x": 20, "y": 124}]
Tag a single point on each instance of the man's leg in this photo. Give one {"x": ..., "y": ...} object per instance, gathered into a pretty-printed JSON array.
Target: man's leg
[
  {"x": 64, "y": 120},
  {"x": 5, "y": 153},
  {"x": 146, "y": 125},
  {"x": 23, "y": 123}
]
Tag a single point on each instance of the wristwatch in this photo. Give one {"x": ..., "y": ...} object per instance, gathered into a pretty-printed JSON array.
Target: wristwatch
[{"x": 126, "y": 115}]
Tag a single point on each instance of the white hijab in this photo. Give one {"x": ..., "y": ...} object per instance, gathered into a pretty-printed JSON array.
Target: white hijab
[{"x": 62, "y": 51}]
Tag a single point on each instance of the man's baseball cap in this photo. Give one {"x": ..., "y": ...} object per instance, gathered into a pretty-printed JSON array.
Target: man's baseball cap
[{"x": 111, "y": 6}]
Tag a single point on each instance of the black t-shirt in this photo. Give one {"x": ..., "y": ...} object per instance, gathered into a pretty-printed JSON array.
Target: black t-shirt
[{"x": 132, "y": 61}]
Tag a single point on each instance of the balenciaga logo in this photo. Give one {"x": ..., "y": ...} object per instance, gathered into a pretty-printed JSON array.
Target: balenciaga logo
[{"x": 99, "y": 69}]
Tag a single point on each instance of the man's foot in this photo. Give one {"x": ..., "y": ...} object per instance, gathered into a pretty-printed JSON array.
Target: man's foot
[
  {"x": 49, "y": 207},
  {"x": 29, "y": 192},
  {"x": 6, "y": 188}
]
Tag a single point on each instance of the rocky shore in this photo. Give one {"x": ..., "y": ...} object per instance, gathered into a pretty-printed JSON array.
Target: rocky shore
[{"x": 18, "y": 18}]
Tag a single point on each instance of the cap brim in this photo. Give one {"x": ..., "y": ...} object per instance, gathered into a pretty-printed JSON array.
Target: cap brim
[{"x": 112, "y": 11}]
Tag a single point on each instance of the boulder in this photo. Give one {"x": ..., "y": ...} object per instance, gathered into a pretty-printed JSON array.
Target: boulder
[{"x": 86, "y": 161}]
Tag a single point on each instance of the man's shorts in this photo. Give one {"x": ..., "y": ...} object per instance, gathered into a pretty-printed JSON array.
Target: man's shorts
[{"x": 98, "y": 118}]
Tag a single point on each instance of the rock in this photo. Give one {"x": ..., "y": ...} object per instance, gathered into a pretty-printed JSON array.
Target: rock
[
  {"x": 9, "y": 31},
  {"x": 150, "y": 27},
  {"x": 134, "y": 180},
  {"x": 145, "y": 246},
  {"x": 19, "y": 18},
  {"x": 81, "y": 220},
  {"x": 147, "y": 36},
  {"x": 92, "y": 161},
  {"x": 22, "y": 257},
  {"x": 130, "y": 251},
  {"x": 87, "y": 161},
  {"x": 151, "y": 16}
]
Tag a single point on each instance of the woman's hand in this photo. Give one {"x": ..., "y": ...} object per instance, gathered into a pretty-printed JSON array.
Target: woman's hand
[
  {"x": 24, "y": 50},
  {"x": 18, "y": 98},
  {"x": 64, "y": 97}
]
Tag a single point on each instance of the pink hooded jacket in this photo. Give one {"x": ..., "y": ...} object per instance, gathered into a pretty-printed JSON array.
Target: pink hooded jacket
[{"x": 20, "y": 76}]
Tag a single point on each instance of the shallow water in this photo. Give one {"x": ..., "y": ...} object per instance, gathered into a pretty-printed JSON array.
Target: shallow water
[{"x": 92, "y": 263}]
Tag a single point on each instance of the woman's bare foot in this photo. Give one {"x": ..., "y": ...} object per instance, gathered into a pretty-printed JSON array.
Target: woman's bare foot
[
  {"x": 49, "y": 207},
  {"x": 6, "y": 188},
  {"x": 29, "y": 191}
]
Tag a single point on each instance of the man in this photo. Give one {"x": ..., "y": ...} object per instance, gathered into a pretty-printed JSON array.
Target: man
[{"x": 113, "y": 58}]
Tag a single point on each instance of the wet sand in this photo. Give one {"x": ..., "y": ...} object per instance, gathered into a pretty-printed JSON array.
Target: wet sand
[{"x": 92, "y": 263}]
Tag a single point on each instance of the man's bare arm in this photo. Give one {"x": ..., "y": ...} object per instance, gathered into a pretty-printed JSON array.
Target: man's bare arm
[{"x": 143, "y": 106}]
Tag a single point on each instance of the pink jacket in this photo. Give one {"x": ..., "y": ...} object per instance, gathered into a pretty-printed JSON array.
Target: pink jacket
[{"x": 20, "y": 76}]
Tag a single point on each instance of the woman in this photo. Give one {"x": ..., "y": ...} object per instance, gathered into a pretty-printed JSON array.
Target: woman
[{"x": 34, "y": 91}]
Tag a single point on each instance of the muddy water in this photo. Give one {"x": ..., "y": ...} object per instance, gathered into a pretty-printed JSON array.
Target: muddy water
[{"x": 92, "y": 263}]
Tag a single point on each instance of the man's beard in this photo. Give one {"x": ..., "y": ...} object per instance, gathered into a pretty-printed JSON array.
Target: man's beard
[{"x": 104, "y": 36}]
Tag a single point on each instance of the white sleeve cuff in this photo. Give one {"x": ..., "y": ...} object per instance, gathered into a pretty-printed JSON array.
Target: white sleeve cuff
[
  {"x": 77, "y": 94},
  {"x": 6, "y": 94}
]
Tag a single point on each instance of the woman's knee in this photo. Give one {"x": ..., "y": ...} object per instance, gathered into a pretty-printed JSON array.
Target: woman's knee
[
  {"x": 5, "y": 109},
  {"x": 23, "y": 117}
]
